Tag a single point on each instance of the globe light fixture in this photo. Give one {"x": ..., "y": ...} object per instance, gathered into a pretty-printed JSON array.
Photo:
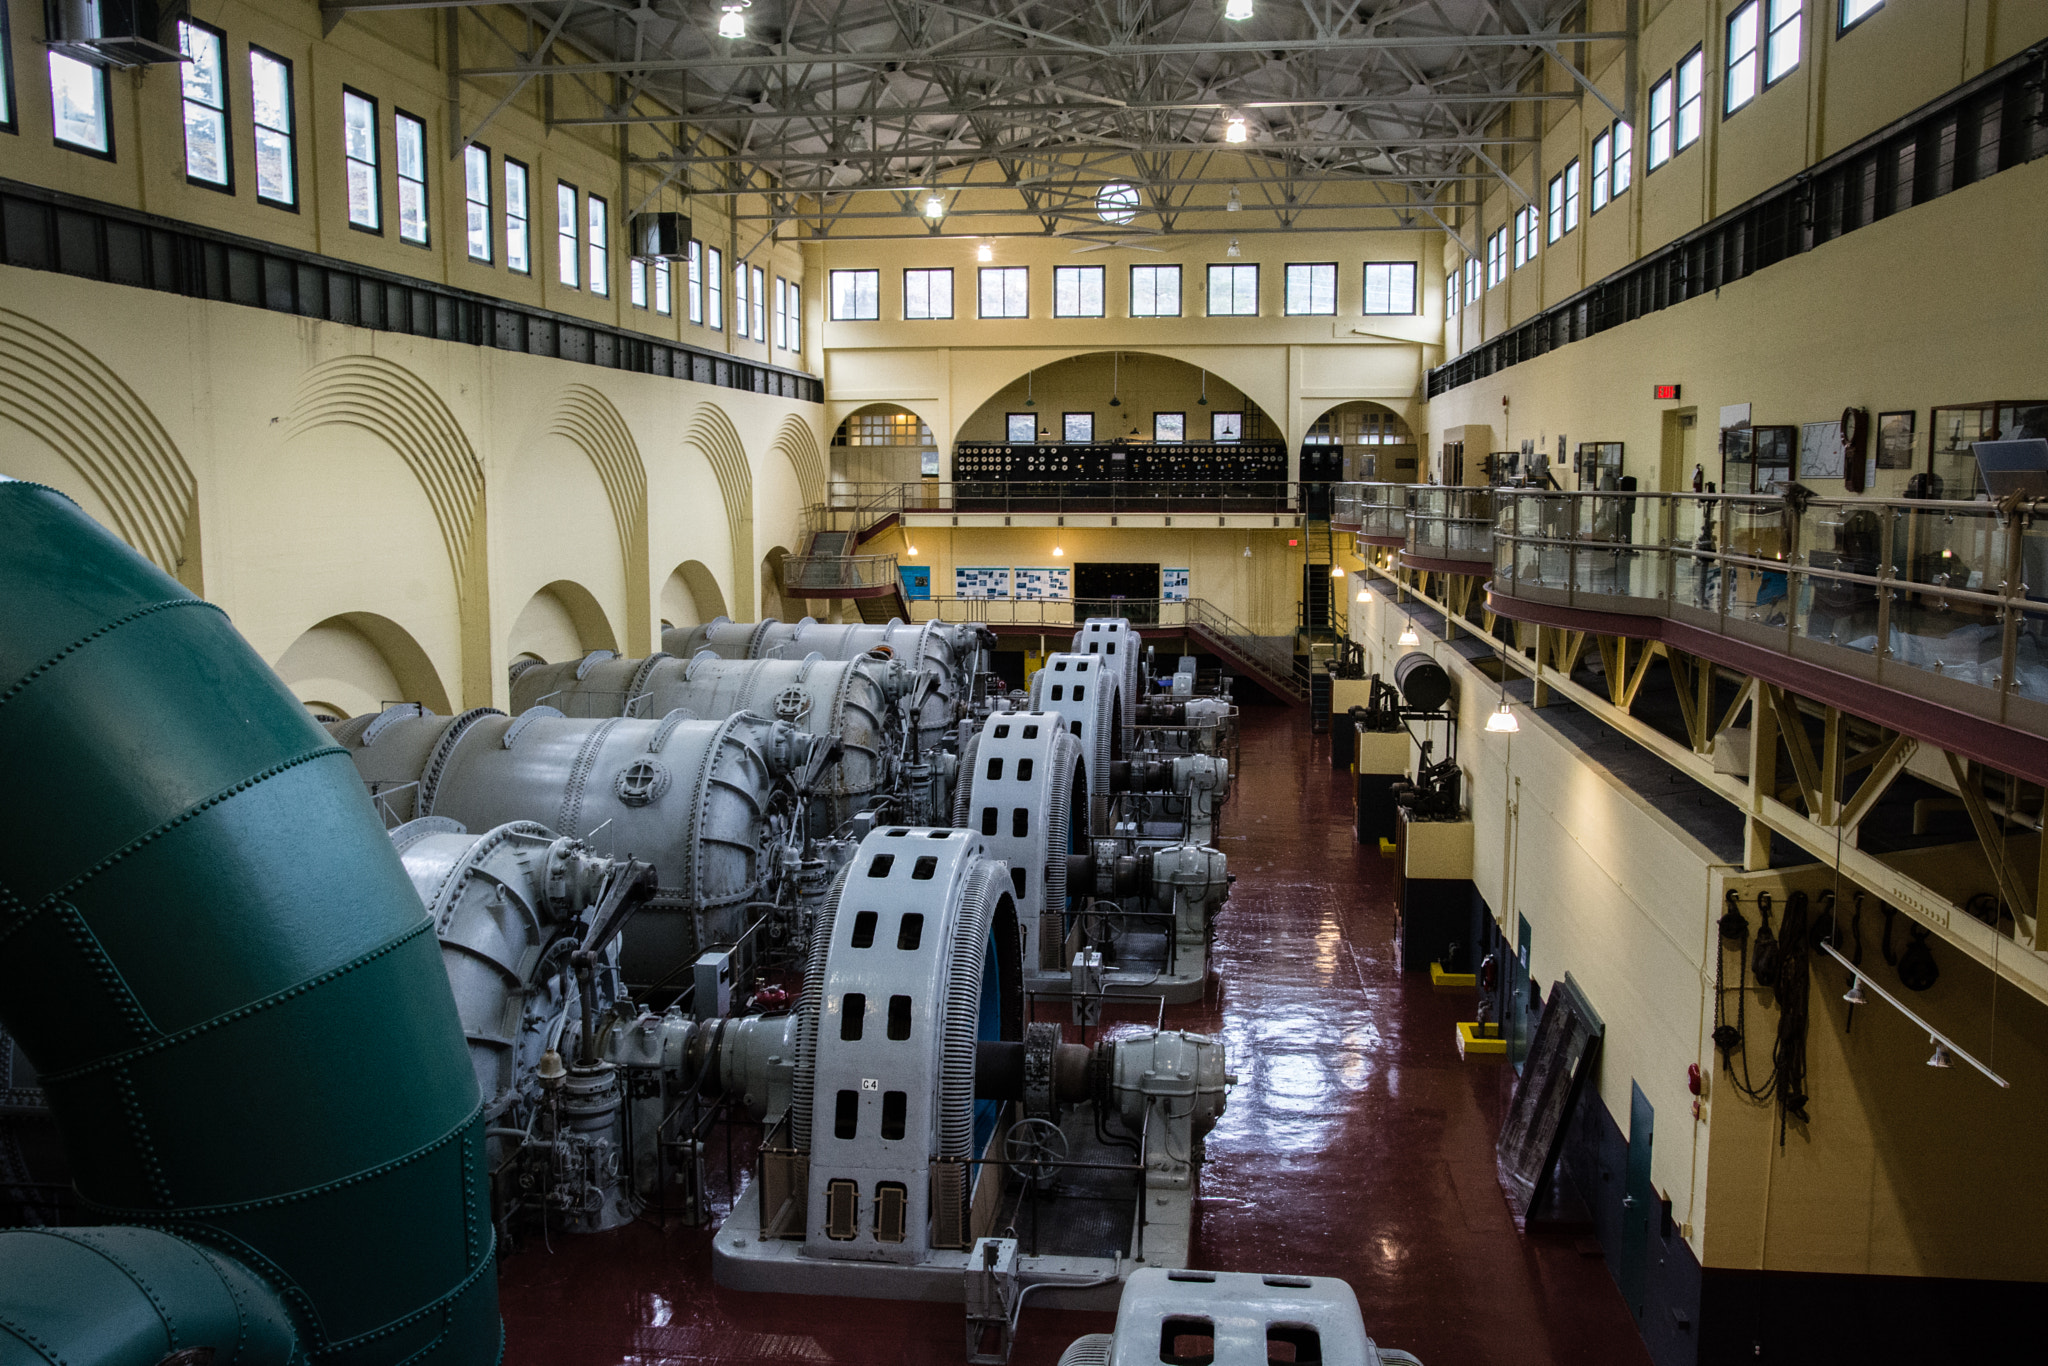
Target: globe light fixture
[
  {"x": 1237, "y": 9},
  {"x": 1234, "y": 130},
  {"x": 733, "y": 22},
  {"x": 934, "y": 208}
]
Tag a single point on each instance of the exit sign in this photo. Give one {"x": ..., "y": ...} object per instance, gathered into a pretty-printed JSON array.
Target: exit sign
[{"x": 1665, "y": 391}]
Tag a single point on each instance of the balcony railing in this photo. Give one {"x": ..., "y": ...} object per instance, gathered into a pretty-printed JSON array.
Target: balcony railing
[
  {"x": 1428, "y": 521},
  {"x": 1945, "y": 600},
  {"x": 838, "y": 576},
  {"x": 848, "y": 503},
  {"x": 1377, "y": 512}
]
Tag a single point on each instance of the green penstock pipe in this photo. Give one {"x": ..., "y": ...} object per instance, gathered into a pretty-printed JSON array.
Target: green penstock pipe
[{"x": 213, "y": 957}]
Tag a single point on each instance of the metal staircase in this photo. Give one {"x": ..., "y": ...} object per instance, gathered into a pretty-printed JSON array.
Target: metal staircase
[{"x": 1261, "y": 658}]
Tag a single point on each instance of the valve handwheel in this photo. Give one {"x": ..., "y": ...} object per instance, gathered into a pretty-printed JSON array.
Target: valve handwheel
[{"x": 1035, "y": 1148}]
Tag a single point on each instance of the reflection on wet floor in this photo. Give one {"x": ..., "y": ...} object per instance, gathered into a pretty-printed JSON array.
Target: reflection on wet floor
[{"x": 1355, "y": 1144}]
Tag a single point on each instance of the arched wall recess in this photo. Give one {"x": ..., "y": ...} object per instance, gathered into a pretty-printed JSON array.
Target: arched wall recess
[
  {"x": 362, "y": 661},
  {"x": 712, "y": 432},
  {"x": 68, "y": 398},
  {"x": 397, "y": 407},
  {"x": 691, "y": 595},
  {"x": 589, "y": 421}
]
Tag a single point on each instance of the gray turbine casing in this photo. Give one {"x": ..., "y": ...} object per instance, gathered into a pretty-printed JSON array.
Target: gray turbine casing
[
  {"x": 1116, "y": 638},
  {"x": 1095, "y": 718},
  {"x": 949, "y": 652},
  {"x": 856, "y": 702},
  {"x": 1024, "y": 789},
  {"x": 705, "y": 814}
]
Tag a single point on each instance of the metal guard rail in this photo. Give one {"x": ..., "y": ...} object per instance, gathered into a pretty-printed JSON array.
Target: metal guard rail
[
  {"x": 1941, "y": 599},
  {"x": 820, "y": 575},
  {"x": 865, "y": 503}
]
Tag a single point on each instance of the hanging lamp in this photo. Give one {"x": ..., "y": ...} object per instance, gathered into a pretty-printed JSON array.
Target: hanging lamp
[{"x": 1115, "y": 378}]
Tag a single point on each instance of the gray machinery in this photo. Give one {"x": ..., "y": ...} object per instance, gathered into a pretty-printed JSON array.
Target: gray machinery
[
  {"x": 948, "y": 655},
  {"x": 528, "y": 923},
  {"x": 857, "y": 704},
  {"x": 925, "y": 1113},
  {"x": 1230, "y": 1318},
  {"x": 714, "y": 806},
  {"x": 1117, "y": 643},
  {"x": 1109, "y": 914}
]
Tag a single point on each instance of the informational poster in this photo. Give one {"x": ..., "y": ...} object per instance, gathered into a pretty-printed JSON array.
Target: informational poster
[
  {"x": 1044, "y": 582},
  {"x": 1173, "y": 585},
  {"x": 1820, "y": 450},
  {"x": 917, "y": 581},
  {"x": 981, "y": 583}
]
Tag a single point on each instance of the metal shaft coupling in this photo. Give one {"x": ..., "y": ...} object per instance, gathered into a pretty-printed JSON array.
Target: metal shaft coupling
[{"x": 1182, "y": 1068}]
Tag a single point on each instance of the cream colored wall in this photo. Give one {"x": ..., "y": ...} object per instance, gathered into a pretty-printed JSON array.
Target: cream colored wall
[
  {"x": 426, "y": 509},
  {"x": 1905, "y": 1170},
  {"x": 1614, "y": 893},
  {"x": 400, "y": 59},
  {"x": 1294, "y": 368},
  {"x": 1084, "y": 384},
  {"x": 1845, "y": 87},
  {"x": 1897, "y": 315}
]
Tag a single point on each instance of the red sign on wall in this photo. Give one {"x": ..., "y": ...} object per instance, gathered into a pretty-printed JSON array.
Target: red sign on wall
[{"x": 1665, "y": 391}]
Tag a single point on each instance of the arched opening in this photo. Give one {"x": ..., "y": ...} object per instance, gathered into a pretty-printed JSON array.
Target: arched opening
[
  {"x": 561, "y": 621},
  {"x": 691, "y": 596},
  {"x": 772, "y": 604},
  {"x": 1374, "y": 441},
  {"x": 883, "y": 443},
  {"x": 1127, "y": 396},
  {"x": 360, "y": 662}
]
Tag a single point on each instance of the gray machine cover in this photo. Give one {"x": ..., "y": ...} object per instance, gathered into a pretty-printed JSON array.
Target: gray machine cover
[
  {"x": 856, "y": 702},
  {"x": 950, "y": 653},
  {"x": 706, "y": 802}
]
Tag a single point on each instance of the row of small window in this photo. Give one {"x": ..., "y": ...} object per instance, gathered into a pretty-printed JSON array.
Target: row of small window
[
  {"x": 1022, "y": 429},
  {"x": 81, "y": 120},
  {"x": 1763, "y": 37},
  {"x": 1155, "y": 291}
]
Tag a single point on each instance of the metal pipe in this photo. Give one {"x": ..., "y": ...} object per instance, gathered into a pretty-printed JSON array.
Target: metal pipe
[{"x": 212, "y": 951}]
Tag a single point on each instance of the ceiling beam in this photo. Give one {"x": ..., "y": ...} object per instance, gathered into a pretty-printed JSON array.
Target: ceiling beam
[
  {"x": 742, "y": 114},
  {"x": 926, "y": 150},
  {"x": 1530, "y": 42}
]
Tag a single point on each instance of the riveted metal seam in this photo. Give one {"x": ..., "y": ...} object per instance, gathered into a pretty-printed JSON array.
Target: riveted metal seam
[
  {"x": 150, "y": 837},
  {"x": 158, "y": 1216},
  {"x": 242, "y": 1012},
  {"x": 116, "y": 624},
  {"x": 44, "y": 1349},
  {"x": 83, "y": 1238}
]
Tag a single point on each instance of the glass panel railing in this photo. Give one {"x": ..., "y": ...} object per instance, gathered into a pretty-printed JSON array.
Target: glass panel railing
[{"x": 1918, "y": 589}]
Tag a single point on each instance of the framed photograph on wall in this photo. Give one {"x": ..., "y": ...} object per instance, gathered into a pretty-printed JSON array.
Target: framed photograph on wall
[{"x": 1895, "y": 440}]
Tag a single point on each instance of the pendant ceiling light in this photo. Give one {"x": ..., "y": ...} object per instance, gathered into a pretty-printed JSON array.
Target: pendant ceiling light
[
  {"x": 934, "y": 208},
  {"x": 1364, "y": 593},
  {"x": 1203, "y": 402},
  {"x": 1029, "y": 401},
  {"x": 984, "y": 252},
  {"x": 1408, "y": 636},
  {"x": 732, "y": 23},
  {"x": 1237, "y": 9},
  {"x": 1116, "y": 378},
  {"x": 1233, "y": 249},
  {"x": 1234, "y": 129},
  {"x": 1233, "y": 204}
]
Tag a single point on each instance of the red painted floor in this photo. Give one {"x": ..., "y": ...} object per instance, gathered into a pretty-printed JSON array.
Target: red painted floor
[{"x": 1356, "y": 1144}]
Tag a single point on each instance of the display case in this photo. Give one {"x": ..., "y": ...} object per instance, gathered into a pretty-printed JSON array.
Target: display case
[
  {"x": 1956, "y": 427},
  {"x": 1598, "y": 464}
]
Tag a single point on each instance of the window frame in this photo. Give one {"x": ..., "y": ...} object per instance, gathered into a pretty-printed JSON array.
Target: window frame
[
  {"x": 1009, "y": 433},
  {"x": 1451, "y": 294},
  {"x": 597, "y": 218},
  {"x": 740, "y": 314},
  {"x": 1287, "y": 309},
  {"x": 525, "y": 219},
  {"x": 714, "y": 288},
  {"x": 981, "y": 275},
  {"x": 832, "y": 296},
  {"x": 1472, "y": 290},
  {"x": 1066, "y": 426},
  {"x": 1623, "y": 168},
  {"x": 399, "y": 118},
  {"x": 693, "y": 281},
  {"x": 1079, "y": 275},
  {"x": 1414, "y": 269},
  {"x": 1772, "y": 27},
  {"x": 1553, "y": 211},
  {"x": 225, "y": 110},
  {"x": 375, "y": 163},
  {"x": 106, "y": 107},
  {"x": 1497, "y": 257},
  {"x": 781, "y": 313},
  {"x": 1209, "y": 289},
  {"x": 637, "y": 292},
  {"x": 1216, "y": 437},
  {"x": 1663, "y": 143},
  {"x": 1843, "y": 23},
  {"x": 664, "y": 286},
  {"x": 926, "y": 273},
  {"x": 1732, "y": 65},
  {"x": 1180, "y": 440},
  {"x": 760, "y": 285},
  {"x": 1572, "y": 181},
  {"x": 10, "y": 93},
  {"x": 1527, "y": 236},
  {"x": 1131, "y": 284},
  {"x": 1603, "y": 160},
  {"x": 1697, "y": 59},
  {"x": 569, "y": 263},
  {"x": 290, "y": 132},
  {"x": 796, "y": 317},
  {"x": 470, "y": 201}
]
